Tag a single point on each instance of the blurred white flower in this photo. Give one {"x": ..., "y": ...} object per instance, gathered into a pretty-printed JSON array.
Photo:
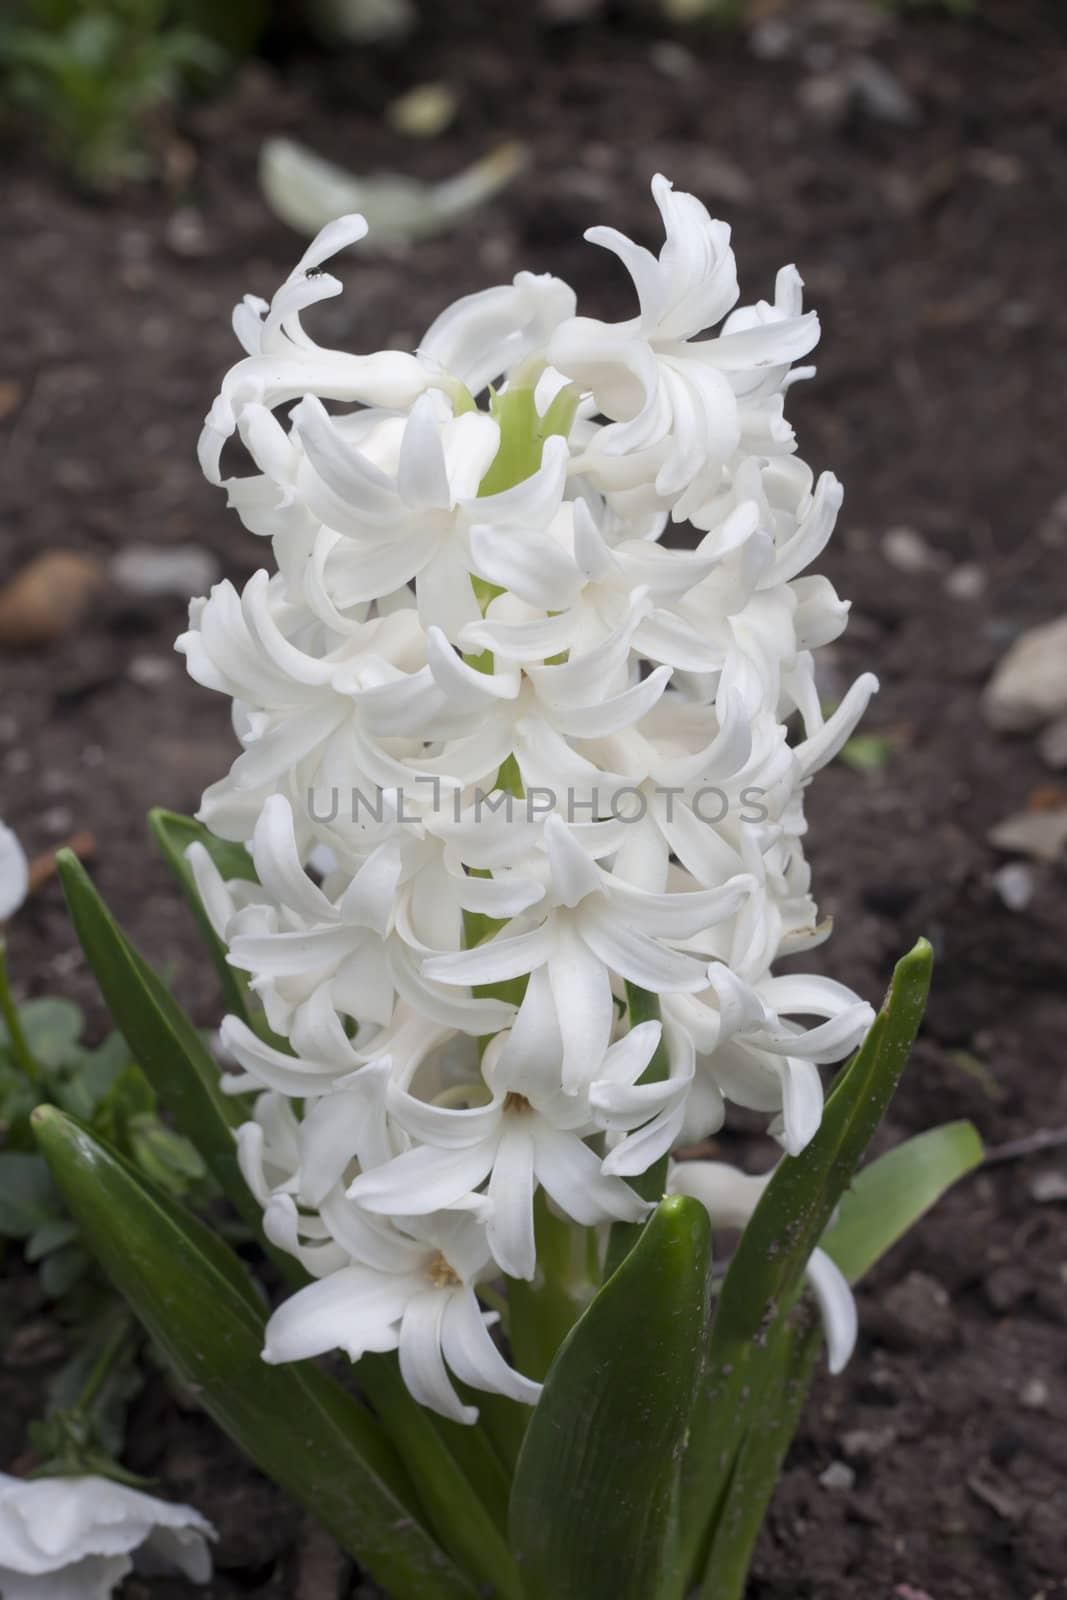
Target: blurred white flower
[
  {"x": 77, "y": 1538},
  {"x": 14, "y": 873}
]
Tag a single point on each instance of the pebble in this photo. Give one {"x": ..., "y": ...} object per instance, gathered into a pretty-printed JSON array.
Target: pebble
[
  {"x": 175, "y": 569},
  {"x": 1014, "y": 883},
  {"x": 1029, "y": 685},
  {"x": 47, "y": 598},
  {"x": 1053, "y": 745},
  {"x": 882, "y": 95},
  {"x": 1041, "y": 835},
  {"x": 861, "y": 1443},
  {"x": 1006, "y": 1285},
  {"x": 1049, "y": 1186},
  {"x": 966, "y": 582},
  {"x": 1034, "y": 1394},
  {"x": 838, "y": 1475},
  {"x": 150, "y": 672},
  {"x": 907, "y": 550},
  {"x": 919, "y": 1314},
  {"x": 185, "y": 233}
]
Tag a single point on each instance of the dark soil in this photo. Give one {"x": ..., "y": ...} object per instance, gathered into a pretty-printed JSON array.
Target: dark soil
[{"x": 936, "y": 254}]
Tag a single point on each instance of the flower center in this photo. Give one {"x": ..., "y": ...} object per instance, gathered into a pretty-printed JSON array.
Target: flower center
[
  {"x": 440, "y": 1274},
  {"x": 517, "y": 1103}
]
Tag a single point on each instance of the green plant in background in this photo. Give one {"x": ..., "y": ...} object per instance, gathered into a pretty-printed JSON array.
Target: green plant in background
[
  {"x": 91, "y": 76},
  {"x": 43, "y": 1062}
]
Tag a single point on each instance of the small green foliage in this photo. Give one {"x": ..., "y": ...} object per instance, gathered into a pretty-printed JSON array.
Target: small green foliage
[
  {"x": 867, "y": 752},
  {"x": 89, "y": 76}
]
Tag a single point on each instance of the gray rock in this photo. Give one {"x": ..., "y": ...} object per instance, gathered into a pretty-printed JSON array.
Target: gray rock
[
  {"x": 1014, "y": 884},
  {"x": 838, "y": 1475},
  {"x": 1053, "y": 744},
  {"x": 184, "y": 570},
  {"x": 1049, "y": 1186},
  {"x": 1034, "y": 1394},
  {"x": 1041, "y": 835},
  {"x": 917, "y": 1314},
  {"x": 966, "y": 582},
  {"x": 860, "y": 1444},
  {"x": 908, "y": 551},
  {"x": 1029, "y": 686},
  {"x": 882, "y": 95}
]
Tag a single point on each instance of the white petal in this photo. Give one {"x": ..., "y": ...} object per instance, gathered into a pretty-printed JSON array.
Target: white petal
[
  {"x": 14, "y": 873},
  {"x": 424, "y": 1180},
  {"x": 473, "y": 1356},
  {"x": 354, "y": 1310},
  {"x": 581, "y": 993},
  {"x": 511, "y": 1191},
  {"x": 422, "y": 1365},
  {"x": 571, "y": 1175},
  {"x": 837, "y": 1306}
]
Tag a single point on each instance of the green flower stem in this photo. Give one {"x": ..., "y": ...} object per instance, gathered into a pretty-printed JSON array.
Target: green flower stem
[
  {"x": 19, "y": 1043},
  {"x": 543, "y": 1312},
  {"x": 111, "y": 1351}
]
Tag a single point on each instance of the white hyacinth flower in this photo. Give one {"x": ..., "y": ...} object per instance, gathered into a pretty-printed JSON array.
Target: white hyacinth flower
[
  {"x": 77, "y": 1538},
  {"x": 511, "y": 771},
  {"x": 14, "y": 873}
]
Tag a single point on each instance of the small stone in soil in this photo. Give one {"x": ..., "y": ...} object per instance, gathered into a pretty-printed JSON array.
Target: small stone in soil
[
  {"x": 966, "y": 582},
  {"x": 918, "y": 1314},
  {"x": 1005, "y": 1286},
  {"x": 1029, "y": 686},
  {"x": 907, "y": 551},
  {"x": 179, "y": 569},
  {"x": 1034, "y": 1394},
  {"x": 1048, "y": 1186},
  {"x": 47, "y": 598},
  {"x": 1053, "y": 744},
  {"x": 1014, "y": 884},
  {"x": 1041, "y": 835},
  {"x": 859, "y": 1443},
  {"x": 838, "y": 1475}
]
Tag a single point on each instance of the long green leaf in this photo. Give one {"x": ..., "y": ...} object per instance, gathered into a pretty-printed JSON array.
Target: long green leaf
[
  {"x": 174, "y": 834},
  {"x": 886, "y": 1199},
  {"x": 766, "y": 1270},
  {"x": 593, "y": 1504},
  {"x": 305, "y": 1432},
  {"x": 163, "y": 1041},
  {"x": 890, "y": 1195}
]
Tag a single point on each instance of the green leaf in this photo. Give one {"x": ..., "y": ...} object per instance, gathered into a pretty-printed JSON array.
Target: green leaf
[
  {"x": 28, "y": 1197},
  {"x": 196, "y": 1302},
  {"x": 594, "y": 1499},
  {"x": 62, "y": 1269},
  {"x": 51, "y": 1235},
  {"x": 166, "y": 1045},
  {"x": 889, "y": 1196},
  {"x": 885, "y": 1200},
  {"x": 766, "y": 1270},
  {"x": 174, "y": 834},
  {"x": 163, "y": 1155},
  {"x": 52, "y": 1027}
]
